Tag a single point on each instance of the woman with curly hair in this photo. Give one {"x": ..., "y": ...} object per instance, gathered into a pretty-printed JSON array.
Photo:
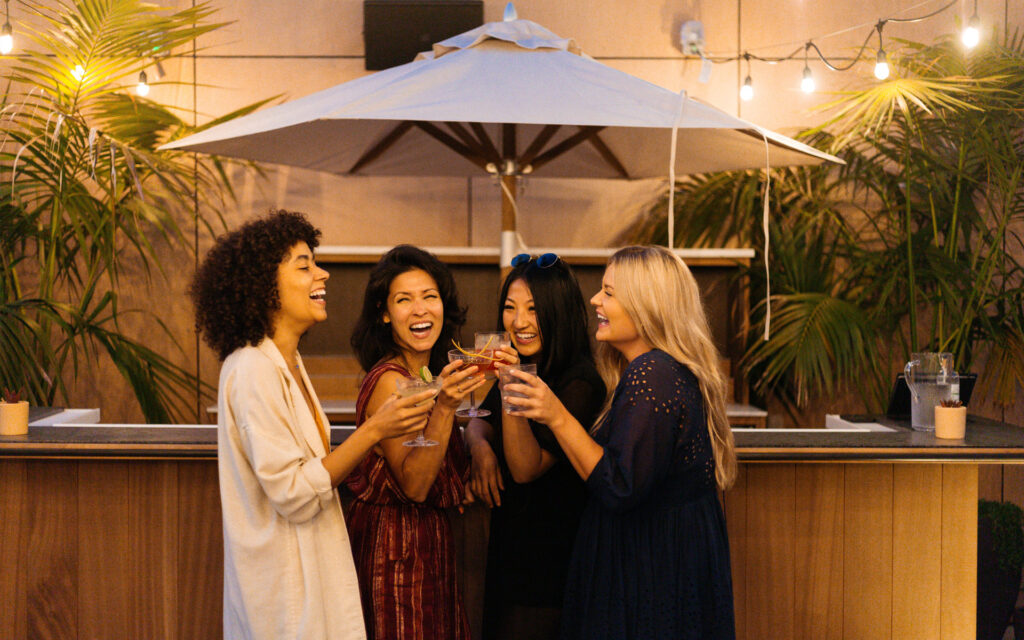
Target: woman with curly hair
[
  {"x": 405, "y": 556},
  {"x": 651, "y": 558},
  {"x": 288, "y": 568}
]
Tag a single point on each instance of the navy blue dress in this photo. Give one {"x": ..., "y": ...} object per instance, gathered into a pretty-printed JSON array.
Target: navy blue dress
[{"x": 651, "y": 558}]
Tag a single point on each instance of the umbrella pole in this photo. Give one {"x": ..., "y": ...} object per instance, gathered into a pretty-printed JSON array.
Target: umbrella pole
[{"x": 509, "y": 242}]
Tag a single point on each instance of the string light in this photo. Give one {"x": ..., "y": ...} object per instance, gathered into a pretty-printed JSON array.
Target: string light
[
  {"x": 142, "y": 88},
  {"x": 971, "y": 34},
  {"x": 881, "y": 64},
  {"x": 7, "y": 33},
  {"x": 747, "y": 90},
  {"x": 78, "y": 72},
  {"x": 807, "y": 83}
]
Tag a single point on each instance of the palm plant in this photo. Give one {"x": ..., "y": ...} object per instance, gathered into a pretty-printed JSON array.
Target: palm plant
[
  {"x": 84, "y": 195},
  {"x": 914, "y": 242}
]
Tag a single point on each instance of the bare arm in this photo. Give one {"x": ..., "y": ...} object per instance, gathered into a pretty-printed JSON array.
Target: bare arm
[
  {"x": 485, "y": 480},
  {"x": 416, "y": 468},
  {"x": 526, "y": 459}
]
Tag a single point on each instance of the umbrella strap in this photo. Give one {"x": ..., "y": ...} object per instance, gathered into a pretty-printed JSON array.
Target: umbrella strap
[
  {"x": 764, "y": 222},
  {"x": 672, "y": 172}
]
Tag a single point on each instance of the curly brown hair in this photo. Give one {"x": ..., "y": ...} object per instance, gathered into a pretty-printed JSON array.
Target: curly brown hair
[{"x": 235, "y": 288}]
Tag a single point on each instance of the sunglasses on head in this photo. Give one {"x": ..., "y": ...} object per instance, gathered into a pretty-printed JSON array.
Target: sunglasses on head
[{"x": 544, "y": 260}]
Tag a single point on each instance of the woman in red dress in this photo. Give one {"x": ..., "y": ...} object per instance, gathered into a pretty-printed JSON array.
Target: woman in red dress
[{"x": 401, "y": 538}]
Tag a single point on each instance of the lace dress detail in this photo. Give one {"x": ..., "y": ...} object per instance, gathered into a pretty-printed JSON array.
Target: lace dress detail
[{"x": 651, "y": 559}]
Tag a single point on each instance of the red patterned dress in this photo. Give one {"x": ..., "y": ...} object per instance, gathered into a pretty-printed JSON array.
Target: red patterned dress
[{"x": 404, "y": 554}]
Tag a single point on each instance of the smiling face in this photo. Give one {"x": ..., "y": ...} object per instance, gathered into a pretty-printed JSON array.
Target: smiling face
[
  {"x": 301, "y": 287},
  {"x": 414, "y": 311},
  {"x": 520, "y": 319},
  {"x": 614, "y": 325}
]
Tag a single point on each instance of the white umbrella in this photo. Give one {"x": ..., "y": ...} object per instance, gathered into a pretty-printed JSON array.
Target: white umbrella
[{"x": 508, "y": 98}]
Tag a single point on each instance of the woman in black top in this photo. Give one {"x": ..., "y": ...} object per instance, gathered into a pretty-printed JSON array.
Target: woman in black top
[
  {"x": 651, "y": 559},
  {"x": 518, "y": 467}
]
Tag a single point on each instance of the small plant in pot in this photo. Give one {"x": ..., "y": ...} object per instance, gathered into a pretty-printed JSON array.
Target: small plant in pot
[
  {"x": 1000, "y": 558},
  {"x": 13, "y": 414}
]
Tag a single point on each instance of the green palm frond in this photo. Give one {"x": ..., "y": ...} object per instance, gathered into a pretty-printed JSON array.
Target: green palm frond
[{"x": 86, "y": 195}]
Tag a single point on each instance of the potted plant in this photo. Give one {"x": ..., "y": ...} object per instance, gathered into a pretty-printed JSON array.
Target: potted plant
[
  {"x": 13, "y": 414},
  {"x": 1000, "y": 558}
]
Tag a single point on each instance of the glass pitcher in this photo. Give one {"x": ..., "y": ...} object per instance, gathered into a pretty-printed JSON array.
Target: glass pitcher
[{"x": 931, "y": 379}]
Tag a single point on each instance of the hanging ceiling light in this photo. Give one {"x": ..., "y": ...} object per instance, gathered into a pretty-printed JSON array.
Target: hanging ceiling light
[
  {"x": 881, "y": 64},
  {"x": 807, "y": 83},
  {"x": 971, "y": 34}
]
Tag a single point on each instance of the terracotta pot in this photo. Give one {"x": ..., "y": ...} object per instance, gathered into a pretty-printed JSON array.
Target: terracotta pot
[
  {"x": 13, "y": 418},
  {"x": 951, "y": 422}
]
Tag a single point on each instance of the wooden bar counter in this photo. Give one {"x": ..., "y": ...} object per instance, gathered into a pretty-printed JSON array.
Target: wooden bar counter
[{"x": 115, "y": 532}]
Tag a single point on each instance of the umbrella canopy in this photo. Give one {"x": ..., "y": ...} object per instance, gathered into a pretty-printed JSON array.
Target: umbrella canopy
[{"x": 508, "y": 98}]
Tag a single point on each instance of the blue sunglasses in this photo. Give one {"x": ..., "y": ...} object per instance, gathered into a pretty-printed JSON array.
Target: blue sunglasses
[{"x": 544, "y": 260}]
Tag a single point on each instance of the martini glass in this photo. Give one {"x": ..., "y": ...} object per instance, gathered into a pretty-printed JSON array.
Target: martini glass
[
  {"x": 469, "y": 359},
  {"x": 409, "y": 387}
]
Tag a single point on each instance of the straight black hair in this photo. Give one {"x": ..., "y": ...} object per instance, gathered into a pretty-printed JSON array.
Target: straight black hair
[
  {"x": 371, "y": 338},
  {"x": 561, "y": 315}
]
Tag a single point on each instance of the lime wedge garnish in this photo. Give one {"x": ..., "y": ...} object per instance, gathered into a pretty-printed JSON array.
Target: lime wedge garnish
[{"x": 426, "y": 375}]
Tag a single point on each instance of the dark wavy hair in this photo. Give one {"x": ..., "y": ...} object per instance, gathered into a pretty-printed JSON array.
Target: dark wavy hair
[
  {"x": 561, "y": 315},
  {"x": 235, "y": 288},
  {"x": 371, "y": 338}
]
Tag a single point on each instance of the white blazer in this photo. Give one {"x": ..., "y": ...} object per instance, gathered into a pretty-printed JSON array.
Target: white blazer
[{"x": 288, "y": 569}]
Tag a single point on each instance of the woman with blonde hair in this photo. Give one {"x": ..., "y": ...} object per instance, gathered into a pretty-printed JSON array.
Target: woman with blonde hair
[{"x": 651, "y": 559}]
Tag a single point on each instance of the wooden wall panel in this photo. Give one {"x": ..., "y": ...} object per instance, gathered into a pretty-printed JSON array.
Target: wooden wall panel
[
  {"x": 771, "y": 521},
  {"x": 734, "y": 504},
  {"x": 104, "y": 571},
  {"x": 959, "y": 550},
  {"x": 818, "y": 551},
  {"x": 50, "y": 550},
  {"x": 867, "y": 558},
  {"x": 990, "y": 481},
  {"x": 917, "y": 534},
  {"x": 201, "y": 552},
  {"x": 13, "y": 508},
  {"x": 153, "y": 527},
  {"x": 1013, "y": 483}
]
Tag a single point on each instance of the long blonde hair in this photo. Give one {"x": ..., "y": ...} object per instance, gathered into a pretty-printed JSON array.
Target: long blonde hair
[{"x": 660, "y": 295}]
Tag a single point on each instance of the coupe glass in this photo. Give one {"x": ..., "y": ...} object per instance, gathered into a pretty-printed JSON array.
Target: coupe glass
[
  {"x": 410, "y": 387},
  {"x": 472, "y": 358}
]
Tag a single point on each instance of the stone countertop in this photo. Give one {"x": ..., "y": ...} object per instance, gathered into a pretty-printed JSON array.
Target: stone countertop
[{"x": 986, "y": 441}]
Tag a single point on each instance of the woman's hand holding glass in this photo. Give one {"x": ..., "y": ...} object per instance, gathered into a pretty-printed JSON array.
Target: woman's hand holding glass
[
  {"x": 459, "y": 382},
  {"x": 402, "y": 416},
  {"x": 538, "y": 402}
]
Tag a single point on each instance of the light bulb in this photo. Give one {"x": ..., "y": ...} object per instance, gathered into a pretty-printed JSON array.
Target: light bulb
[
  {"x": 807, "y": 84},
  {"x": 971, "y": 35},
  {"x": 6, "y": 39},
  {"x": 747, "y": 90},
  {"x": 78, "y": 72},
  {"x": 143, "y": 87},
  {"x": 881, "y": 66}
]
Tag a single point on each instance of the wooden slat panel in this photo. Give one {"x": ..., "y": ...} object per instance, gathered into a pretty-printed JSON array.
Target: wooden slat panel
[
  {"x": 200, "y": 552},
  {"x": 990, "y": 481},
  {"x": 917, "y": 537},
  {"x": 50, "y": 550},
  {"x": 818, "y": 552},
  {"x": 104, "y": 576},
  {"x": 13, "y": 500},
  {"x": 734, "y": 503},
  {"x": 1013, "y": 483},
  {"x": 959, "y": 550},
  {"x": 867, "y": 558},
  {"x": 153, "y": 529},
  {"x": 771, "y": 517}
]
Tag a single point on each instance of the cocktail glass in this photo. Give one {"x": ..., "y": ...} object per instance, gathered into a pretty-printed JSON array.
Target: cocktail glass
[
  {"x": 469, "y": 359},
  {"x": 409, "y": 387}
]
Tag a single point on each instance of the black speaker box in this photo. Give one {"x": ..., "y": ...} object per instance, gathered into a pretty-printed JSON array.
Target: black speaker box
[{"x": 396, "y": 30}]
